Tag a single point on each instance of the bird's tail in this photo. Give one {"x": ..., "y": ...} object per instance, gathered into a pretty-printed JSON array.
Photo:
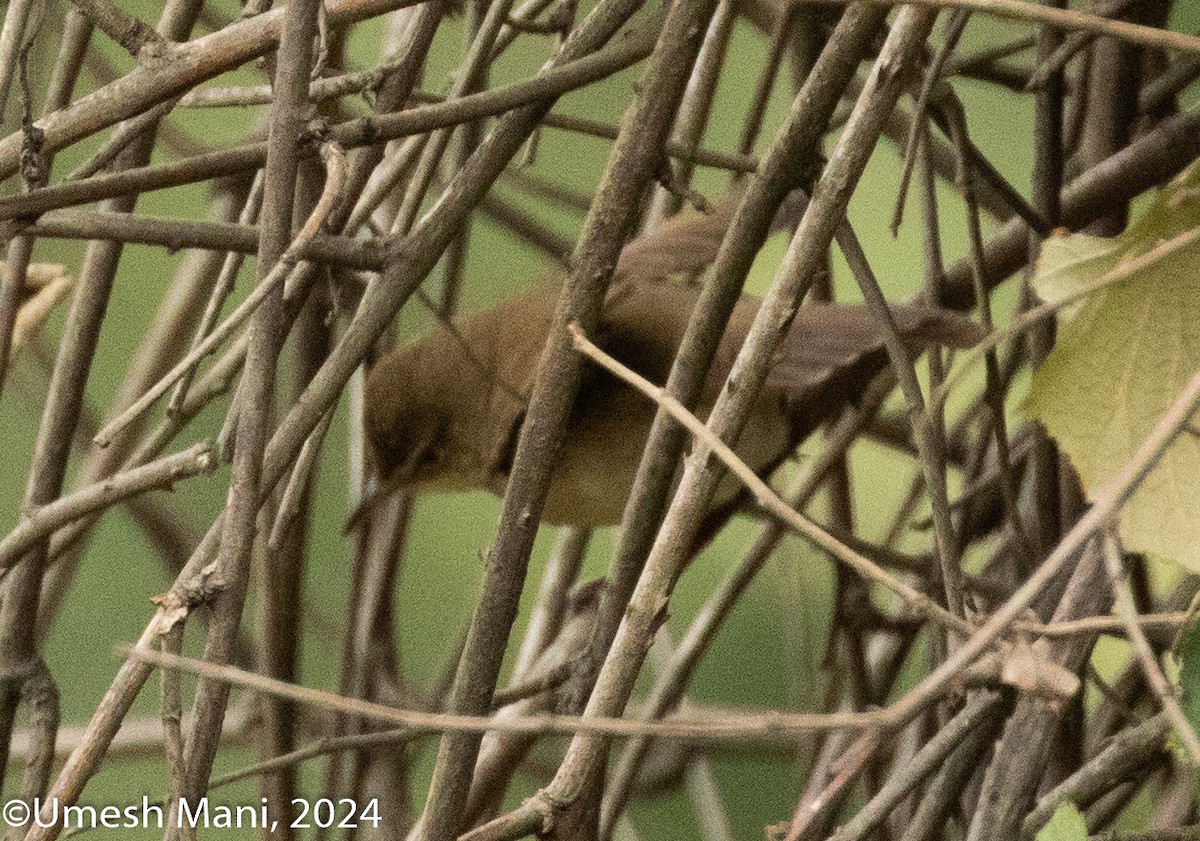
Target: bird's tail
[{"x": 923, "y": 325}]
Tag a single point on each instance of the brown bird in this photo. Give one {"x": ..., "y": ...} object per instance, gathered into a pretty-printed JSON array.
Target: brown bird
[{"x": 444, "y": 413}]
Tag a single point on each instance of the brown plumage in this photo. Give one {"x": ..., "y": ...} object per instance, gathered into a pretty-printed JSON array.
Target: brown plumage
[{"x": 440, "y": 417}]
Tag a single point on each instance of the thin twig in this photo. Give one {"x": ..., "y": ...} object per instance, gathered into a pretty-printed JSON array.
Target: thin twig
[
  {"x": 1067, "y": 19},
  {"x": 1118, "y": 574},
  {"x": 744, "y": 727},
  {"x": 370, "y": 130},
  {"x": 126, "y": 29},
  {"x": 1127, "y": 753},
  {"x": 37, "y": 524},
  {"x": 1106, "y": 500},
  {"x": 187, "y": 65},
  {"x": 270, "y": 283}
]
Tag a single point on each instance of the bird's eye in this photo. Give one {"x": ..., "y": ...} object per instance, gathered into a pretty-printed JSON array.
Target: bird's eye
[
  {"x": 432, "y": 455},
  {"x": 422, "y": 452},
  {"x": 434, "y": 450}
]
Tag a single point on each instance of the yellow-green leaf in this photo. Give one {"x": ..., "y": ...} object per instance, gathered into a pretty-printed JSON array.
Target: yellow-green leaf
[
  {"x": 1124, "y": 353},
  {"x": 1067, "y": 824}
]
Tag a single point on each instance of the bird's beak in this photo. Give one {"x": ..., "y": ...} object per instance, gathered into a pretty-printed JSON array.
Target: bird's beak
[
  {"x": 401, "y": 476},
  {"x": 363, "y": 509}
]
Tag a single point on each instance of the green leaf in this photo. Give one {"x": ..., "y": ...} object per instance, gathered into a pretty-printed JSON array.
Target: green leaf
[
  {"x": 1188, "y": 657},
  {"x": 1124, "y": 353},
  {"x": 1067, "y": 824}
]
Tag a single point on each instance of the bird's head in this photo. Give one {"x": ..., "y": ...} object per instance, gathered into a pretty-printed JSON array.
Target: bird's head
[
  {"x": 409, "y": 416},
  {"x": 407, "y": 420}
]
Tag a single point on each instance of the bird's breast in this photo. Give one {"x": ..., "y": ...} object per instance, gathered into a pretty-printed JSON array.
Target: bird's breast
[{"x": 598, "y": 462}]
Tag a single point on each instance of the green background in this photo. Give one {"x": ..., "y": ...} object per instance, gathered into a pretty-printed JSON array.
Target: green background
[{"x": 770, "y": 652}]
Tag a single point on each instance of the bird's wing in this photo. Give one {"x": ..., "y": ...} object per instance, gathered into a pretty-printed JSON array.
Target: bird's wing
[
  {"x": 686, "y": 244},
  {"x": 512, "y": 335},
  {"x": 832, "y": 353},
  {"x": 643, "y": 325},
  {"x": 928, "y": 325},
  {"x": 825, "y": 338}
]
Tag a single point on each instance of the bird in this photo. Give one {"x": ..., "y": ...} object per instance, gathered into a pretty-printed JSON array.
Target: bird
[{"x": 444, "y": 413}]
